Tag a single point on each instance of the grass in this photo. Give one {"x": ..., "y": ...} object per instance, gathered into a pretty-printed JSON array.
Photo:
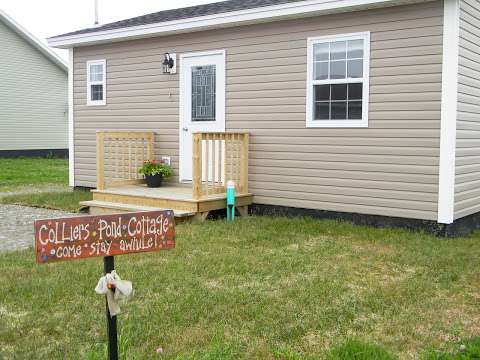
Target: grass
[
  {"x": 358, "y": 350},
  {"x": 262, "y": 288},
  {"x": 39, "y": 182},
  {"x": 24, "y": 172},
  {"x": 470, "y": 350},
  {"x": 61, "y": 200}
]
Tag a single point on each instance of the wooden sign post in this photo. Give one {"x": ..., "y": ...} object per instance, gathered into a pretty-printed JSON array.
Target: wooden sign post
[{"x": 93, "y": 236}]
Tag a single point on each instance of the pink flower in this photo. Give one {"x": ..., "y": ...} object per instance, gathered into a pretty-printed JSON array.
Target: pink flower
[
  {"x": 160, "y": 350},
  {"x": 154, "y": 162}
]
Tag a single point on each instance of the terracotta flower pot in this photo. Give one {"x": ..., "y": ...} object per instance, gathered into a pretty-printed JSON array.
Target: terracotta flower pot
[{"x": 154, "y": 181}]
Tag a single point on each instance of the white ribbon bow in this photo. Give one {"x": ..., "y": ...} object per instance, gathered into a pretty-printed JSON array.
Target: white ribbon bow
[{"x": 123, "y": 290}]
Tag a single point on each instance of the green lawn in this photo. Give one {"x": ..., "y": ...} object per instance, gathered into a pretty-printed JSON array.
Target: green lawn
[
  {"x": 39, "y": 182},
  {"x": 262, "y": 288},
  {"x": 62, "y": 200},
  {"x": 22, "y": 172}
]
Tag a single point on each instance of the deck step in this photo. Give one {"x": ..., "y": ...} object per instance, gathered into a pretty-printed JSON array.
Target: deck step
[{"x": 106, "y": 206}]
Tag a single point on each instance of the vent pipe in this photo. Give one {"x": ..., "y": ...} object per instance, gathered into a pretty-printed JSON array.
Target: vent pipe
[{"x": 96, "y": 13}]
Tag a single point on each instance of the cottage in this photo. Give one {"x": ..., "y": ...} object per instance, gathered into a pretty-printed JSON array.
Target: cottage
[
  {"x": 33, "y": 95},
  {"x": 361, "y": 109}
]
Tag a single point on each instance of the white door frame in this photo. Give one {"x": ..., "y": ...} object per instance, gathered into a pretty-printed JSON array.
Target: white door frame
[{"x": 184, "y": 121}]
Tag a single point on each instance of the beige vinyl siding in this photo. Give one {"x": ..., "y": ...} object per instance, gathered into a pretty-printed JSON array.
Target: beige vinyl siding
[
  {"x": 390, "y": 168},
  {"x": 33, "y": 97},
  {"x": 467, "y": 158}
]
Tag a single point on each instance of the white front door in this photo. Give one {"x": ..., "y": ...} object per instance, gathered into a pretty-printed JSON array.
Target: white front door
[{"x": 202, "y": 101}]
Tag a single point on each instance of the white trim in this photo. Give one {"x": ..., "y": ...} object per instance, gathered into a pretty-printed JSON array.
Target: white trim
[
  {"x": 233, "y": 18},
  {"x": 71, "y": 130},
  {"x": 310, "y": 122},
  {"x": 91, "y": 102},
  {"x": 220, "y": 98},
  {"x": 448, "y": 127},
  {"x": 203, "y": 53},
  {"x": 32, "y": 40}
]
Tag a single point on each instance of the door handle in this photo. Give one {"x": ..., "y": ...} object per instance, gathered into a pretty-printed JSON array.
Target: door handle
[{"x": 185, "y": 129}]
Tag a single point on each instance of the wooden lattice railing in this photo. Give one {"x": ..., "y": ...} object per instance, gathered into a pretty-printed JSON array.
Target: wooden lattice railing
[
  {"x": 120, "y": 154},
  {"x": 218, "y": 158}
]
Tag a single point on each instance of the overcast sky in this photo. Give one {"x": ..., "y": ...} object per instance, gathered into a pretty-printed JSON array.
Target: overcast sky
[{"x": 45, "y": 18}]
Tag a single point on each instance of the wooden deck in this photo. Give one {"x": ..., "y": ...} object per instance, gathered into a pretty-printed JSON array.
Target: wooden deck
[
  {"x": 217, "y": 159},
  {"x": 178, "y": 198}
]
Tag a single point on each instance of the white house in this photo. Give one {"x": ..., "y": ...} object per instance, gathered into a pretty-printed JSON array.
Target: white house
[{"x": 33, "y": 95}]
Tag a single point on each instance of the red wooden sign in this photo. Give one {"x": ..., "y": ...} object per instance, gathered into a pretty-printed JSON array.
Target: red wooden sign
[{"x": 108, "y": 235}]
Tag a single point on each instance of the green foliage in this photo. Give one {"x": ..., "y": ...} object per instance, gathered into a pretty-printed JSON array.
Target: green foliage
[
  {"x": 359, "y": 350},
  {"x": 154, "y": 168}
]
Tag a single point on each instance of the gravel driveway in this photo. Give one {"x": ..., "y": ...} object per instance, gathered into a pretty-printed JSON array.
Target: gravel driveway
[{"x": 16, "y": 225}]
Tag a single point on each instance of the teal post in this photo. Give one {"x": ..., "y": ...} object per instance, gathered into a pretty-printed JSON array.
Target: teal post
[{"x": 230, "y": 201}]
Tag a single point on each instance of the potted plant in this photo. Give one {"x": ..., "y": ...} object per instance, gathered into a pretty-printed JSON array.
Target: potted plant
[{"x": 155, "y": 172}]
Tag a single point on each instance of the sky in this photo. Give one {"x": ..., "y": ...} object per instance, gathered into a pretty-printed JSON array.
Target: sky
[{"x": 45, "y": 18}]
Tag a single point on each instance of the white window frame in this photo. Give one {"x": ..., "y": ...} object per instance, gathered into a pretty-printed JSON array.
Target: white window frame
[
  {"x": 311, "y": 122},
  {"x": 91, "y": 102}
]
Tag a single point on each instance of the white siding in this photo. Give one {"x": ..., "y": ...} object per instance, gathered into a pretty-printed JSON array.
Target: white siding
[{"x": 33, "y": 97}]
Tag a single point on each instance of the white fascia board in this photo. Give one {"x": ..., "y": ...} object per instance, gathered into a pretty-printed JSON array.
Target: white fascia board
[
  {"x": 228, "y": 19},
  {"x": 71, "y": 128},
  {"x": 448, "y": 127},
  {"x": 32, "y": 40}
]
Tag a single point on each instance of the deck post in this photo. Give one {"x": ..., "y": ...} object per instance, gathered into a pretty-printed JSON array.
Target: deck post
[
  {"x": 197, "y": 166},
  {"x": 100, "y": 160},
  {"x": 244, "y": 164}
]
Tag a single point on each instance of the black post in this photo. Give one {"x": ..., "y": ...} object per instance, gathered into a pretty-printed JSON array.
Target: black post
[{"x": 109, "y": 266}]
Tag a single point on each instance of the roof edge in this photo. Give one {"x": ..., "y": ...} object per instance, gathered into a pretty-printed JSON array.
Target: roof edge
[
  {"x": 33, "y": 40},
  {"x": 227, "y": 19}
]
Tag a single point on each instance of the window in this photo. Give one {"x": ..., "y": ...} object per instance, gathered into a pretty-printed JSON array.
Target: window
[
  {"x": 96, "y": 82},
  {"x": 338, "y": 80},
  {"x": 203, "y": 93}
]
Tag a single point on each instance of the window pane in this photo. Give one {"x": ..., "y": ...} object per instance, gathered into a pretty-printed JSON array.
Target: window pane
[
  {"x": 338, "y": 50},
  {"x": 339, "y": 92},
  {"x": 322, "y": 111},
  {"x": 322, "y": 92},
  {"x": 321, "y": 70},
  {"x": 203, "y": 93},
  {"x": 354, "y": 109},
  {"x": 96, "y": 77},
  {"x": 96, "y": 72},
  {"x": 355, "y": 68},
  {"x": 339, "y": 110},
  {"x": 355, "y": 91},
  {"x": 355, "y": 49},
  {"x": 96, "y": 92},
  {"x": 321, "y": 51},
  {"x": 337, "y": 69}
]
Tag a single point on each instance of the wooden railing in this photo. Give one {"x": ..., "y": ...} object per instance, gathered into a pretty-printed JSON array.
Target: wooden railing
[
  {"x": 120, "y": 154},
  {"x": 218, "y": 158}
]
